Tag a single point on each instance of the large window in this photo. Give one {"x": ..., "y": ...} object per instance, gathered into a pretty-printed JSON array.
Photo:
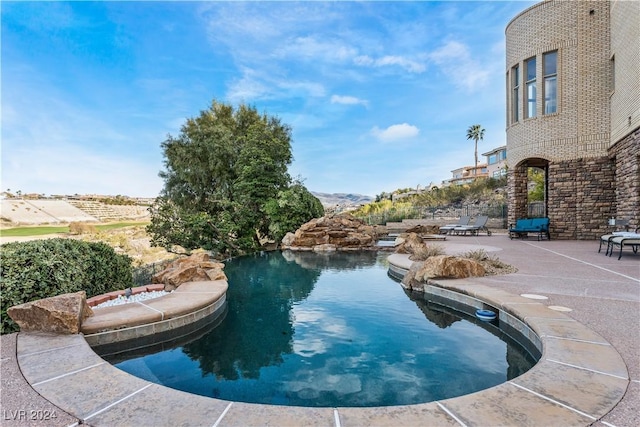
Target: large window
[
  {"x": 530, "y": 70},
  {"x": 550, "y": 64},
  {"x": 515, "y": 89},
  {"x": 496, "y": 157}
]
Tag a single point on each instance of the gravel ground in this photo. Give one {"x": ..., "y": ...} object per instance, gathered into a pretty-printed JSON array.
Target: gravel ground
[{"x": 133, "y": 298}]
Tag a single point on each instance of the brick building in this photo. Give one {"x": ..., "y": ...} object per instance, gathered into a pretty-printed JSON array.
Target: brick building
[{"x": 573, "y": 110}]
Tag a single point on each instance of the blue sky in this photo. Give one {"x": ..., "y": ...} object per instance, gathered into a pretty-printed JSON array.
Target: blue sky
[{"x": 379, "y": 94}]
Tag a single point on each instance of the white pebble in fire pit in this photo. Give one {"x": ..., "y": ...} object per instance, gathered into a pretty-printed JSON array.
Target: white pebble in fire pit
[{"x": 143, "y": 296}]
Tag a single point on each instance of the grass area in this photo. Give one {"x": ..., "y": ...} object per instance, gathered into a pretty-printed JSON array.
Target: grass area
[
  {"x": 105, "y": 227},
  {"x": 62, "y": 229}
]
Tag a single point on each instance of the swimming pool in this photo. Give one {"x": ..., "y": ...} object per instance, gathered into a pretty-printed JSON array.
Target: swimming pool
[{"x": 328, "y": 330}]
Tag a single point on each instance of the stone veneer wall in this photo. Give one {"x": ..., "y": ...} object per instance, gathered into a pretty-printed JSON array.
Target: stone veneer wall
[
  {"x": 581, "y": 198},
  {"x": 627, "y": 164},
  {"x": 517, "y": 194}
]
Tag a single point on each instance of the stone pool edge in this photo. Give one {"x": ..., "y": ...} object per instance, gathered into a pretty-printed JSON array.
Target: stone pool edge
[{"x": 579, "y": 378}]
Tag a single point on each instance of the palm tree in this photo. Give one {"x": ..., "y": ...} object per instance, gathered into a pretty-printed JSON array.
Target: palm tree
[{"x": 476, "y": 133}]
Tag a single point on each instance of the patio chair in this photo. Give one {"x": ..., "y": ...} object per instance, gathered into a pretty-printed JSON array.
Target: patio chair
[
  {"x": 479, "y": 225},
  {"x": 447, "y": 229},
  {"x": 619, "y": 223},
  {"x": 628, "y": 239}
]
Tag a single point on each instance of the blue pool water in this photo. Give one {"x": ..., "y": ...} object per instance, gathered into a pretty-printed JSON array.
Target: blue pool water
[{"x": 333, "y": 330}]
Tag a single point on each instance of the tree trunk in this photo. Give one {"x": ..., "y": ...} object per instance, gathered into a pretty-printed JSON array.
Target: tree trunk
[{"x": 475, "y": 169}]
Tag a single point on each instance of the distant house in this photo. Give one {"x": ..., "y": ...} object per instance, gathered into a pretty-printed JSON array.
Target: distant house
[
  {"x": 497, "y": 162},
  {"x": 467, "y": 174}
]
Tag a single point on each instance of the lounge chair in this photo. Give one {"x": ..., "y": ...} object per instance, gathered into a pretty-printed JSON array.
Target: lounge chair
[
  {"x": 629, "y": 239},
  {"x": 447, "y": 229},
  {"x": 479, "y": 225},
  {"x": 607, "y": 237}
]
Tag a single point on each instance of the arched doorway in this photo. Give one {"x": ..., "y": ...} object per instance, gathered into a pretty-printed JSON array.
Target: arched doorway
[{"x": 528, "y": 189}]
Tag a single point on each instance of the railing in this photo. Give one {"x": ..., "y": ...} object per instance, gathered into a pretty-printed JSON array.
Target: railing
[
  {"x": 142, "y": 275},
  {"x": 536, "y": 210},
  {"x": 495, "y": 210}
]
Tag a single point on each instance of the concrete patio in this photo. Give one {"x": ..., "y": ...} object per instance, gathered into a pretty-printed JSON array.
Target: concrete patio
[{"x": 603, "y": 294}]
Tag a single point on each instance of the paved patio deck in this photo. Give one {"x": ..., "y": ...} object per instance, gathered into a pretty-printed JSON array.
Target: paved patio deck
[{"x": 602, "y": 292}]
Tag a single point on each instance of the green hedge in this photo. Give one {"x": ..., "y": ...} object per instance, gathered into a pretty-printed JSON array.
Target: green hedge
[{"x": 44, "y": 268}]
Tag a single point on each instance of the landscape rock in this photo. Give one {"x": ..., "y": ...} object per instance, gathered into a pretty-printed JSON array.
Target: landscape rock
[
  {"x": 194, "y": 268},
  {"x": 62, "y": 314},
  {"x": 288, "y": 239},
  {"x": 424, "y": 229},
  {"x": 327, "y": 247},
  {"x": 409, "y": 243},
  {"x": 341, "y": 232},
  {"x": 441, "y": 267}
]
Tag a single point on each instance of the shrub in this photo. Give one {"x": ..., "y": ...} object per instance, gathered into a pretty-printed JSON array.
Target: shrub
[
  {"x": 44, "y": 268},
  {"x": 81, "y": 228},
  {"x": 477, "y": 255},
  {"x": 491, "y": 263}
]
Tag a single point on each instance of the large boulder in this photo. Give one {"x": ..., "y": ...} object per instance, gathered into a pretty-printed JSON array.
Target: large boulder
[
  {"x": 195, "y": 268},
  {"x": 341, "y": 232},
  {"x": 410, "y": 243},
  {"x": 441, "y": 267},
  {"x": 62, "y": 314}
]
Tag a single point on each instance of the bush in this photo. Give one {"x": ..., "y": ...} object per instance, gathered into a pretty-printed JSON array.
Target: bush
[
  {"x": 81, "y": 228},
  {"x": 44, "y": 268}
]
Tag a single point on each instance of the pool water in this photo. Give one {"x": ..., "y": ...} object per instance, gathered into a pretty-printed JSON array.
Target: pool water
[{"x": 333, "y": 330}]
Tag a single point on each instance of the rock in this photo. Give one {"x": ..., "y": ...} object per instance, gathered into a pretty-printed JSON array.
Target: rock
[
  {"x": 409, "y": 244},
  {"x": 341, "y": 232},
  {"x": 62, "y": 314},
  {"x": 424, "y": 229},
  {"x": 288, "y": 239},
  {"x": 441, "y": 267},
  {"x": 327, "y": 247},
  {"x": 195, "y": 268}
]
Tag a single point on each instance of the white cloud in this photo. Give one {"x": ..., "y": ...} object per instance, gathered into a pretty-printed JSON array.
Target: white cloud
[
  {"x": 321, "y": 50},
  {"x": 456, "y": 62},
  {"x": 395, "y": 132},
  {"x": 348, "y": 100},
  {"x": 254, "y": 85},
  {"x": 409, "y": 65}
]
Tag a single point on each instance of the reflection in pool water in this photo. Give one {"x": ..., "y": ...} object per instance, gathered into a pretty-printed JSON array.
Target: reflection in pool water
[{"x": 332, "y": 330}]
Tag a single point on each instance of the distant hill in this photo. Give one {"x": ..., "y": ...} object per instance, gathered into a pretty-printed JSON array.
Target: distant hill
[{"x": 342, "y": 199}]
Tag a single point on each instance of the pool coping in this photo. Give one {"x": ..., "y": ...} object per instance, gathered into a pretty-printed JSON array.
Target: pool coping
[
  {"x": 579, "y": 378},
  {"x": 191, "y": 303}
]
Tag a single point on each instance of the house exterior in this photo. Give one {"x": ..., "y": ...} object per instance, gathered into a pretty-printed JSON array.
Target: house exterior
[
  {"x": 573, "y": 110},
  {"x": 496, "y": 162},
  {"x": 467, "y": 174}
]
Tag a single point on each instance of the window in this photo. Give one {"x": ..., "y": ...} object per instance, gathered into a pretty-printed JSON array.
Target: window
[
  {"x": 530, "y": 70},
  {"x": 497, "y": 157},
  {"x": 550, "y": 64},
  {"x": 613, "y": 73},
  {"x": 515, "y": 89}
]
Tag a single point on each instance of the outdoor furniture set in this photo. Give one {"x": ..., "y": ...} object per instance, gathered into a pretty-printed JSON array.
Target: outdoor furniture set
[
  {"x": 463, "y": 226},
  {"x": 620, "y": 239}
]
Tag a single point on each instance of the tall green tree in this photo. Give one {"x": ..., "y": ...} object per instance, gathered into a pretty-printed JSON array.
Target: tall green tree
[
  {"x": 219, "y": 174},
  {"x": 475, "y": 132},
  {"x": 292, "y": 208}
]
